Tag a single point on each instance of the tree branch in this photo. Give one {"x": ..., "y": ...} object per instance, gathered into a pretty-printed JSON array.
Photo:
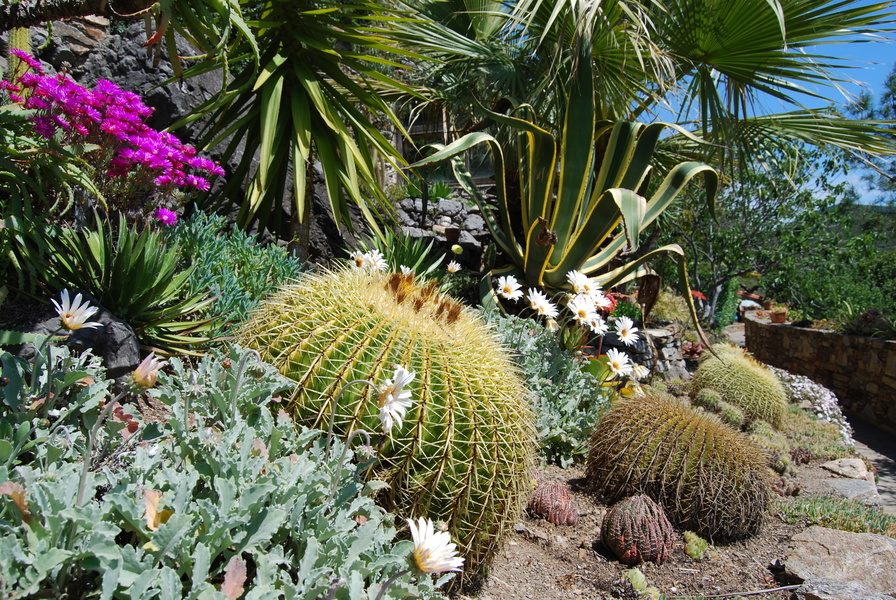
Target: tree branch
[{"x": 34, "y": 12}]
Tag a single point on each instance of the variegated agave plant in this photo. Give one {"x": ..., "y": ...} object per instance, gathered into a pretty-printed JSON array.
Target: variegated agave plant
[{"x": 576, "y": 192}]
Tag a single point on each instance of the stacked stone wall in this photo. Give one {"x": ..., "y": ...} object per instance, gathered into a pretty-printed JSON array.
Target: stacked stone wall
[{"x": 861, "y": 371}]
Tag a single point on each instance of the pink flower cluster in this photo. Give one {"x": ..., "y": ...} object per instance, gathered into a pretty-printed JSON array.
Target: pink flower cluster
[{"x": 110, "y": 118}]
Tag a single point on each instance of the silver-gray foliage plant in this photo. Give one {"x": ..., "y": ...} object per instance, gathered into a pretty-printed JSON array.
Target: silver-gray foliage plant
[
  {"x": 224, "y": 499},
  {"x": 567, "y": 400}
]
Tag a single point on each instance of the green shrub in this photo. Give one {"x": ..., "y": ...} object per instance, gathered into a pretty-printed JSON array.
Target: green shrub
[
  {"x": 134, "y": 273},
  {"x": 726, "y": 311},
  {"x": 465, "y": 449},
  {"x": 218, "y": 493},
  {"x": 709, "y": 478},
  {"x": 231, "y": 266},
  {"x": 742, "y": 382},
  {"x": 568, "y": 401}
]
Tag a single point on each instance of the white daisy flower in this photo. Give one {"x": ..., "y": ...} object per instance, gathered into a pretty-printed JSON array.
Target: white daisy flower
[
  {"x": 579, "y": 282},
  {"x": 406, "y": 270},
  {"x": 552, "y": 325},
  {"x": 394, "y": 400},
  {"x": 600, "y": 301},
  {"x": 619, "y": 362},
  {"x": 639, "y": 372},
  {"x": 540, "y": 304},
  {"x": 582, "y": 309},
  {"x": 453, "y": 266},
  {"x": 626, "y": 331},
  {"x": 73, "y": 314},
  {"x": 360, "y": 260},
  {"x": 433, "y": 551},
  {"x": 376, "y": 262},
  {"x": 597, "y": 324},
  {"x": 509, "y": 288}
]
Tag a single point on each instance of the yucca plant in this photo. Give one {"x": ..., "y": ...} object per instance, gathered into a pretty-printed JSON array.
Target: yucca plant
[
  {"x": 465, "y": 449},
  {"x": 135, "y": 274},
  {"x": 583, "y": 201}
]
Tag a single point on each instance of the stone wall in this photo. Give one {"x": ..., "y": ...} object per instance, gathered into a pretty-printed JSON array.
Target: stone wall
[{"x": 861, "y": 371}]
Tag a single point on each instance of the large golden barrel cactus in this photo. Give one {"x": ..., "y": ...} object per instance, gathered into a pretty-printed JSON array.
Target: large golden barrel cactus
[
  {"x": 709, "y": 478},
  {"x": 743, "y": 382},
  {"x": 465, "y": 450}
]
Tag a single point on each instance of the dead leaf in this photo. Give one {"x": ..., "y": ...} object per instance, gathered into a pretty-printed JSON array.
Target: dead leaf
[
  {"x": 17, "y": 493},
  {"x": 154, "y": 518},
  {"x": 234, "y": 578}
]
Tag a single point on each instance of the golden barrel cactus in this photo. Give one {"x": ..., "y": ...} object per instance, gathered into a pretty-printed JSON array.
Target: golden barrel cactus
[
  {"x": 709, "y": 478},
  {"x": 465, "y": 449}
]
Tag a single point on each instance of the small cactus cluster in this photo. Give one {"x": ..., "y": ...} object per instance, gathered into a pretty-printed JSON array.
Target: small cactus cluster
[
  {"x": 708, "y": 477},
  {"x": 694, "y": 545},
  {"x": 552, "y": 501},
  {"x": 466, "y": 447},
  {"x": 637, "y": 530},
  {"x": 801, "y": 456},
  {"x": 743, "y": 382}
]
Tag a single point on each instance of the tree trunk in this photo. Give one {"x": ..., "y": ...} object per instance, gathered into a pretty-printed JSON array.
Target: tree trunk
[{"x": 34, "y": 12}]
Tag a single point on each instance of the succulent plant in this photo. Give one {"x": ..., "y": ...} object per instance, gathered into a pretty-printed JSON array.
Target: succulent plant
[
  {"x": 694, "y": 545},
  {"x": 552, "y": 501},
  {"x": 709, "y": 399},
  {"x": 708, "y": 477},
  {"x": 465, "y": 451},
  {"x": 637, "y": 530},
  {"x": 743, "y": 382}
]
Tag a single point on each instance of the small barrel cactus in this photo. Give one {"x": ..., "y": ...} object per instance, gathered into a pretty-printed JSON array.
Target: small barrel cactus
[
  {"x": 743, "y": 382},
  {"x": 637, "y": 530},
  {"x": 465, "y": 449},
  {"x": 552, "y": 501},
  {"x": 708, "y": 477}
]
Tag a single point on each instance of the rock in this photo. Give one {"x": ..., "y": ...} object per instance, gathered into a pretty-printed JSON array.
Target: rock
[
  {"x": 448, "y": 207},
  {"x": 855, "y": 489},
  {"x": 474, "y": 223},
  {"x": 853, "y": 468},
  {"x": 866, "y": 558},
  {"x": 824, "y": 588}
]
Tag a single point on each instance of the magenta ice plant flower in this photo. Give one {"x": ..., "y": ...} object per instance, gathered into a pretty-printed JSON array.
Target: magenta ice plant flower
[
  {"x": 168, "y": 217},
  {"x": 113, "y": 120}
]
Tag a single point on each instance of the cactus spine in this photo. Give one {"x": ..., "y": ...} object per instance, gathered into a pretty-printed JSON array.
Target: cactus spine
[
  {"x": 466, "y": 448},
  {"x": 708, "y": 477}
]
